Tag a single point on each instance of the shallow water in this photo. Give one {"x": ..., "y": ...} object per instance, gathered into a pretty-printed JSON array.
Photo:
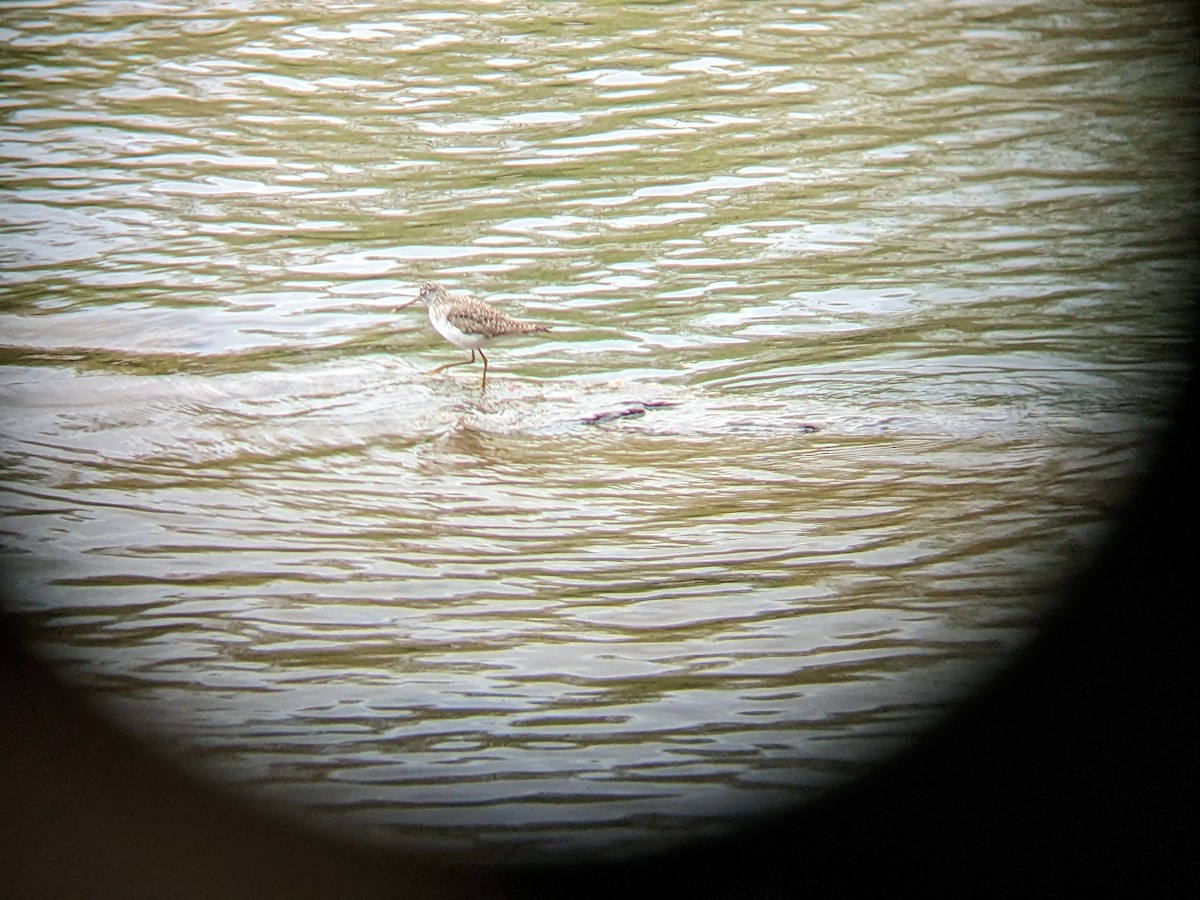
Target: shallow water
[{"x": 864, "y": 317}]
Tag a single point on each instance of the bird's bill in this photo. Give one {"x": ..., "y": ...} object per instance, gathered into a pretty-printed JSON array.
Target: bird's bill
[{"x": 404, "y": 304}]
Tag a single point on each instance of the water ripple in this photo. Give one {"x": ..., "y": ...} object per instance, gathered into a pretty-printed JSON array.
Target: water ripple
[{"x": 862, "y": 319}]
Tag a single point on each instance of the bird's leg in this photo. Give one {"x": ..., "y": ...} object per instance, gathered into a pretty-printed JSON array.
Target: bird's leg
[
  {"x": 484, "y": 382},
  {"x": 461, "y": 362}
]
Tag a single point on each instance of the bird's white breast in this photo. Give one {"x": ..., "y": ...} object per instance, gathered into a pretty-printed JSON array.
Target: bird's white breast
[{"x": 460, "y": 339}]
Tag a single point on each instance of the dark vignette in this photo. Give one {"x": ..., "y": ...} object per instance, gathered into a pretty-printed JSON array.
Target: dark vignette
[{"x": 1075, "y": 769}]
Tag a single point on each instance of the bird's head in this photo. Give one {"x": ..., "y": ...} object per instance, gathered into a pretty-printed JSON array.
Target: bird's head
[{"x": 429, "y": 291}]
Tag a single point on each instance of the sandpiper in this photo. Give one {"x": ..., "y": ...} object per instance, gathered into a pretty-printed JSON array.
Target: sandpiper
[{"x": 468, "y": 323}]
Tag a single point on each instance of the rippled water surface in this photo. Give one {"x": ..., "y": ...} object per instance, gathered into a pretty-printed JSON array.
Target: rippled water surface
[{"x": 864, "y": 316}]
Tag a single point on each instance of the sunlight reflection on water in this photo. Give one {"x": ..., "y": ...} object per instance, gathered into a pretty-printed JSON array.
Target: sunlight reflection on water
[{"x": 861, "y": 322}]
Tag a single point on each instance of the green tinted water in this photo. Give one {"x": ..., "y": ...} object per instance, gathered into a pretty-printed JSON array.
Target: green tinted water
[{"x": 950, "y": 237}]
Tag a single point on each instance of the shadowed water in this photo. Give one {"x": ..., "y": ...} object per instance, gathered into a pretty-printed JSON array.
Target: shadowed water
[{"x": 864, "y": 318}]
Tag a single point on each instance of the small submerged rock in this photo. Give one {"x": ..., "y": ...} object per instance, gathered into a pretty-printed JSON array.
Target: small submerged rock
[{"x": 625, "y": 410}]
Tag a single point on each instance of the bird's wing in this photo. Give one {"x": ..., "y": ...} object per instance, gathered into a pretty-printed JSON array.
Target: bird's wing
[{"x": 487, "y": 321}]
